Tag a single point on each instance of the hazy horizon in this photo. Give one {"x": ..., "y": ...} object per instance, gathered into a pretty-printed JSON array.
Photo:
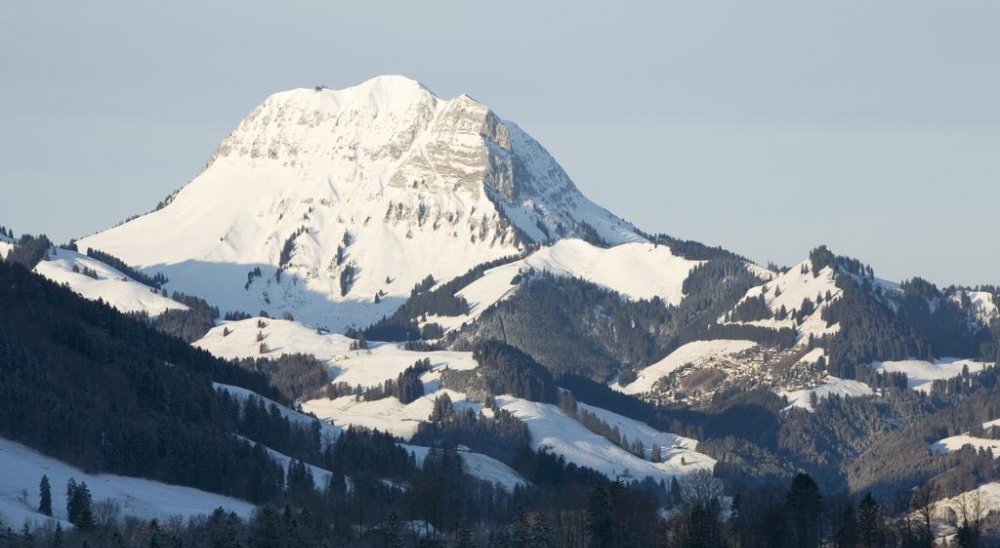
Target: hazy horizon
[{"x": 766, "y": 129}]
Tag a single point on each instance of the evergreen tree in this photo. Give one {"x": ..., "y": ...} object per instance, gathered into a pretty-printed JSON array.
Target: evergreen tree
[
  {"x": 392, "y": 535},
  {"x": 804, "y": 506},
  {"x": 846, "y": 535},
  {"x": 869, "y": 530},
  {"x": 78, "y": 505},
  {"x": 600, "y": 528},
  {"x": 676, "y": 499},
  {"x": 45, "y": 496}
]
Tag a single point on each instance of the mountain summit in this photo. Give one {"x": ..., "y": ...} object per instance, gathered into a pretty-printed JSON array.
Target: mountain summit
[{"x": 331, "y": 204}]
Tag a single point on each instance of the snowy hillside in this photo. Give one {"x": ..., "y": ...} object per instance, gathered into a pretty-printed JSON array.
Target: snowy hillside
[
  {"x": 364, "y": 367},
  {"x": 6, "y": 244},
  {"x": 551, "y": 428},
  {"x": 328, "y": 432},
  {"x": 955, "y": 443},
  {"x": 477, "y": 465},
  {"x": 921, "y": 374},
  {"x": 830, "y": 386},
  {"x": 635, "y": 270},
  {"x": 688, "y": 357},
  {"x": 323, "y": 196},
  {"x": 787, "y": 294},
  {"x": 94, "y": 280},
  {"x": 973, "y": 505},
  {"x": 386, "y": 414},
  {"x": 22, "y": 469},
  {"x": 984, "y": 305}
]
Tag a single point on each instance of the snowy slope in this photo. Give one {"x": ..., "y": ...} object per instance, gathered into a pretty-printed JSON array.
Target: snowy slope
[
  {"x": 698, "y": 353},
  {"x": 22, "y": 468},
  {"x": 386, "y": 414},
  {"x": 6, "y": 244},
  {"x": 635, "y": 270},
  {"x": 983, "y": 305},
  {"x": 831, "y": 385},
  {"x": 922, "y": 374},
  {"x": 110, "y": 284},
  {"x": 551, "y": 428},
  {"x": 479, "y": 466},
  {"x": 949, "y": 512},
  {"x": 369, "y": 367},
  {"x": 672, "y": 446},
  {"x": 954, "y": 443},
  {"x": 321, "y": 476},
  {"x": 328, "y": 432},
  {"x": 406, "y": 184},
  {"x": 788, "y": 290}
]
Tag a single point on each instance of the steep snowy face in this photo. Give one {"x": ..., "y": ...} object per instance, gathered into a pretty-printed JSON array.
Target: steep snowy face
[{"x": 331, "y": 205}]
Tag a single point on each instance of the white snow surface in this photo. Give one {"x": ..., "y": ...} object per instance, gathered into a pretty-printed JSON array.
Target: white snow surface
[
  {"x": 948, "y": 512},
  {"x": 954, "y": 443},
  {"x": 6, "y": 244},
  {"x": 328, "y": 432},
  {"x": 789, "y": 289},
  {"x": 321, "y": 476},
  {"x": 697, "y": 353},
  {"x": 830, "y": 385},
  {"x": 406, "y": 184},
  {"x": 22, "y": 469},
  {"x": 366, "y": 367},
  {"x": 479, "y": 466},
  {"x": 387, "y": 414},
  {"x": 636, "y": 270},
  {"x": 551, "y": 428},
  {"x": 110, "y": 285},
  {"x": 983, "y": 304},
  {"x": 921, "y": 374}
]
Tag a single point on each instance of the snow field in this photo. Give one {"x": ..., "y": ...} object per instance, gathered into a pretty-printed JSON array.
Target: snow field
[{"x": 22, "y": 470}]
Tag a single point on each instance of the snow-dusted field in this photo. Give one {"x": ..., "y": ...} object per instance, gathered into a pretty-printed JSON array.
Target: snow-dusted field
[
  {"x": 830, "y": 385},
  {"x": 921, "y": 374},
  {"x": 386, "y": 414},
  {"x": 697, "y": 353},
  {"x": 971, "y": 505},
  {"x": 479, "y": 466},
  {"x": 110, "y": 285},
  {"x": 788, "y": 290},
  {"x": 328, "y": 432},
  {"x": 954, "y": 443},
  {"x": 983, "y": 304},
  {"x": 636, "y": 270},
  {"x": 21, "y": 469},
  {"x": 551, "y": 428},
  {"x": 381, "y": 361}
]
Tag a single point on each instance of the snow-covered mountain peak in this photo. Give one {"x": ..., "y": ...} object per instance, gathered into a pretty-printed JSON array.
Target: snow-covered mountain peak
[{"x": 351, "y": 196}]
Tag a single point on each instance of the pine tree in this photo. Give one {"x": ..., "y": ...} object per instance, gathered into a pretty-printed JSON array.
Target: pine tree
[
  {"x": 804, "y": 506},
  {"x": 869, "y": 522},
  {"x": 676, "y": 499},
  {"x": 392, "y": 535},
  {"x": 600, "y": 527},
  {"x": 72, "y": 504},
  {"x": 45, "y": 496},
  {"x": 78, "y": 505},
  {"x": 846, "y": 535}
]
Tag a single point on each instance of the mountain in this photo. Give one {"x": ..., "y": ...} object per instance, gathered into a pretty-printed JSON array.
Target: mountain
[
  {"x": 436, "y": 291},
  {"x": 332, "y": 204}
]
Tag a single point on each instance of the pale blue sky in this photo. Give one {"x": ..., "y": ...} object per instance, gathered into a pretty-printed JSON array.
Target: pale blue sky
[{"x": 767, "y": 127}]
